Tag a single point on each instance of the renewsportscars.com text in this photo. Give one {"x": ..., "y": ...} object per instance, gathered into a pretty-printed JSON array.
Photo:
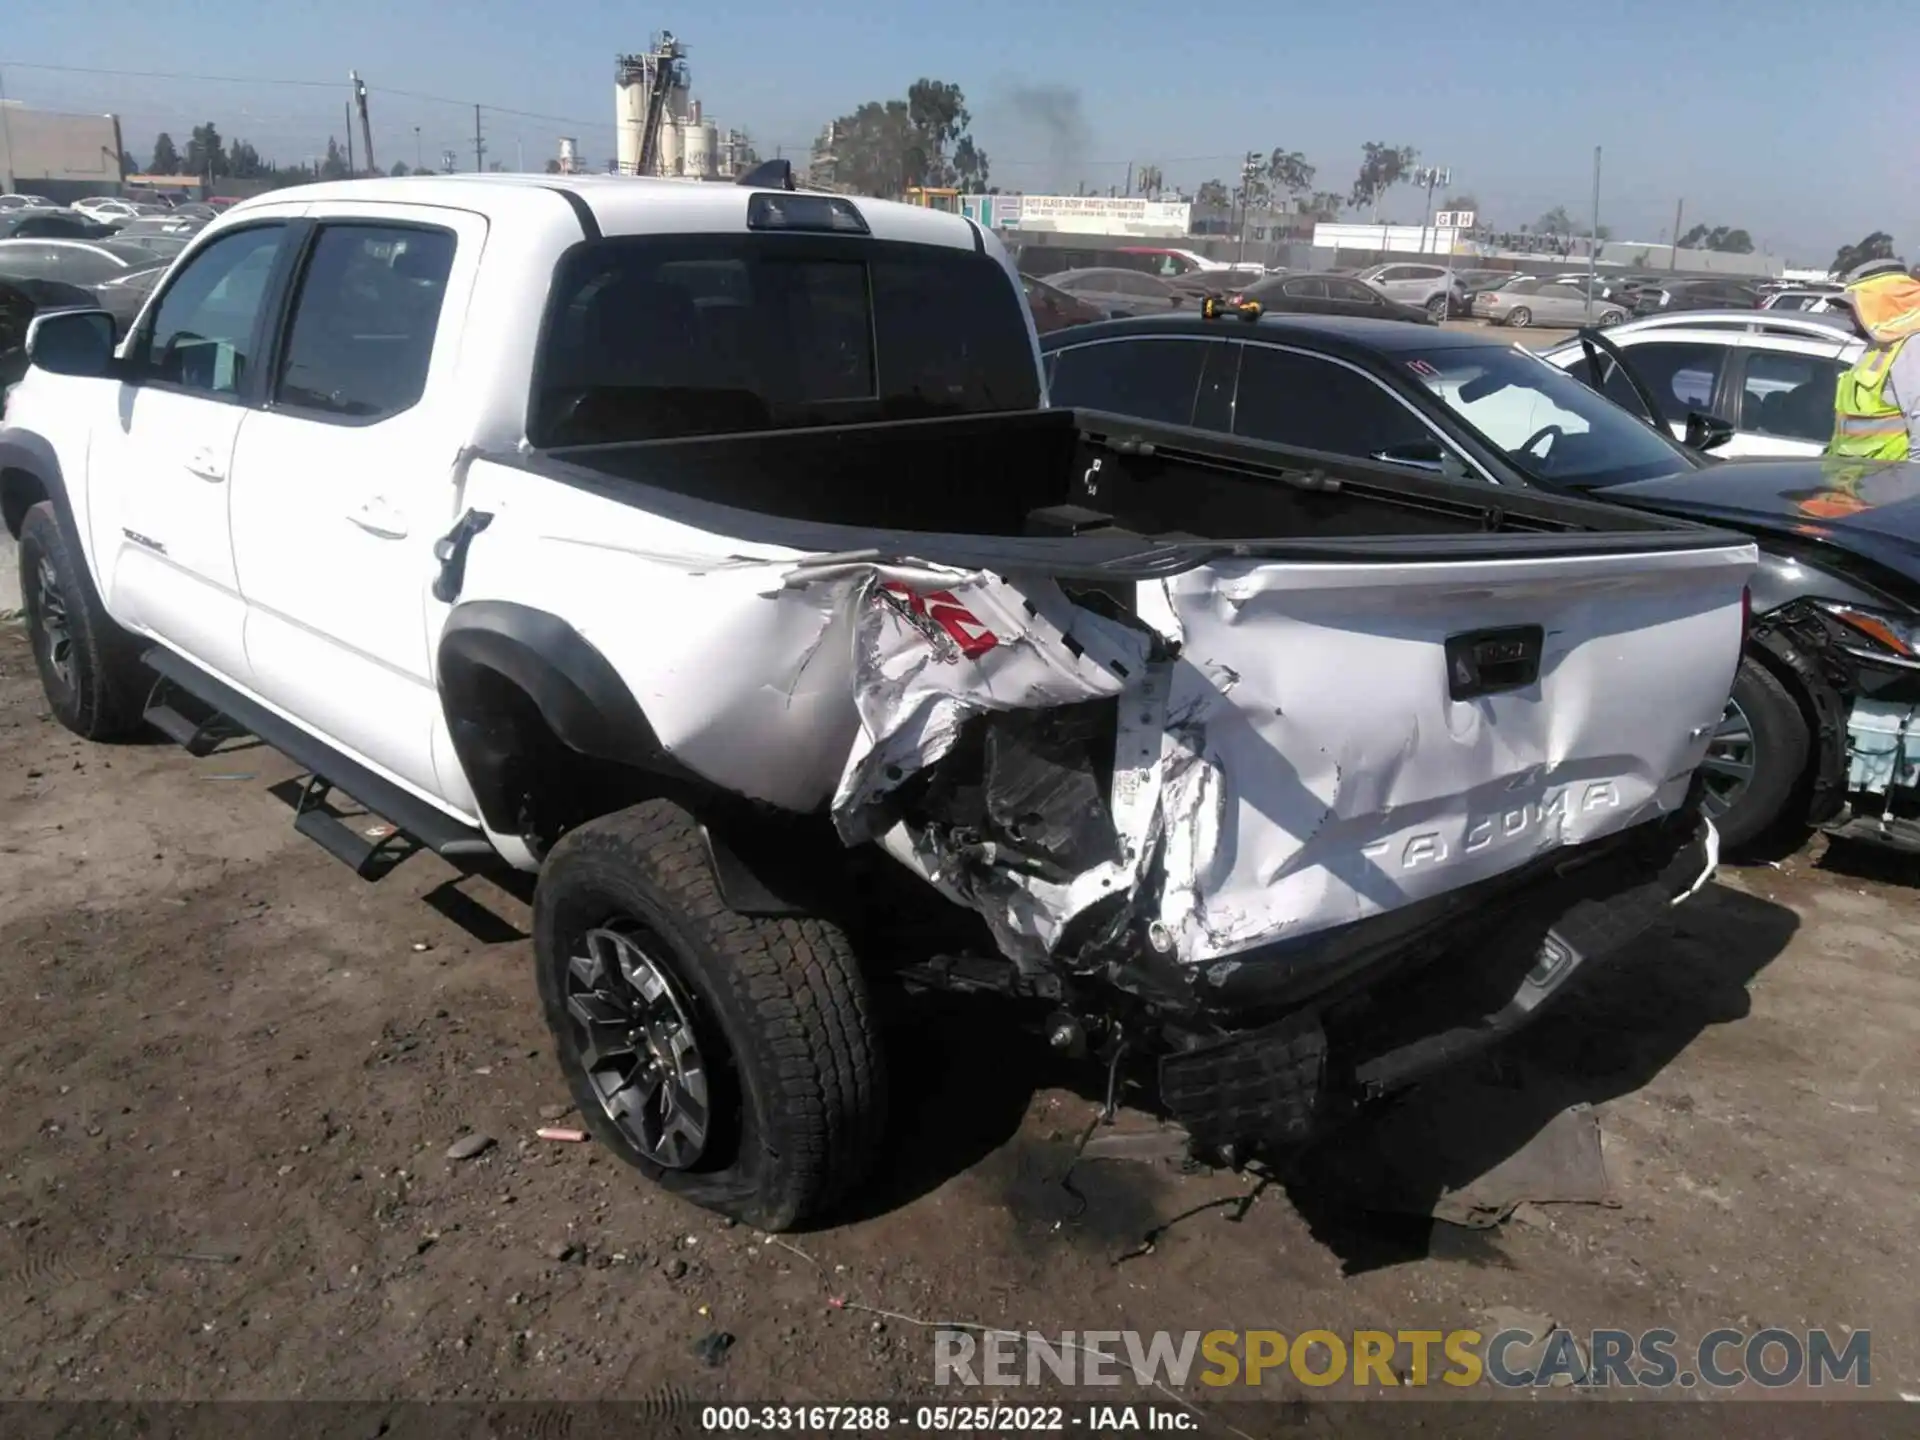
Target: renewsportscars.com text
[{"x": 1649, "y": 1359}]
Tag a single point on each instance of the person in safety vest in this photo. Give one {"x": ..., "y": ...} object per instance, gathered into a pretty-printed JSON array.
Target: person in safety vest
[{"x": 1876, "y": 405}]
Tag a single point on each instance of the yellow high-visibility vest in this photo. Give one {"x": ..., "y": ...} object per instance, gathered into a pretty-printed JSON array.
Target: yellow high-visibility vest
[{"x": 1866, "y": 424}]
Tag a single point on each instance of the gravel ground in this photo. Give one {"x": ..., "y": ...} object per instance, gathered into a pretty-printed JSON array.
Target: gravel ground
[{"x": 235, "y": 1072}]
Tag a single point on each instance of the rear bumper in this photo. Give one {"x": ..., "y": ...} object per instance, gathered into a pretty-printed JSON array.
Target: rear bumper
[{"x": 1384, "y": 1021}]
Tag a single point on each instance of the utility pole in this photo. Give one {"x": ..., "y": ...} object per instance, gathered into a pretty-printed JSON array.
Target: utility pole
[
  {"x": 1593, "y": 235},
  {"x": 350, "y": 170},
  {"x": 1673, "y": 252},
  {"x": 1129, "y": 189},
  {"x": 1430, "y": 175},
  {"x": 1249, "y": 169},
  {"x": 366, "y": 126},
  {"x": 479, "y": 146}
]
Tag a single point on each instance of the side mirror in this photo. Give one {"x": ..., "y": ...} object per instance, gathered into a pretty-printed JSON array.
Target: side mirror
[
  {"x": 1707, "y": 432},
  {"x": 72, "y": 342}
]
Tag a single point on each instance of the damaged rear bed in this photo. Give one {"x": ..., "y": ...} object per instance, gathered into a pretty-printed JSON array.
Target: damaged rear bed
[{"x": 1210, "y": 741}]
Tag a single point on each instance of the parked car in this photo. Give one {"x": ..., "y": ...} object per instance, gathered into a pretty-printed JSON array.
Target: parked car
[
  {"x": 76, "y": 262},
  {"x": 1120, "y": 292},
  {"x": 1520, "y": 303},
  {"x": 16, "y": 201},
  {"x": 163, "y": 245},
  {"x": 123, "y": 296},
  {"x": 1329, "y": 294},
  {"x": 1055, "y": 309},
  {"x": 1425, "y": 287},
  {"x": 1813, "y": 301},
  {"x": 1814, "y": 732},
  {"x": 1170, "y": 264},
  {"x": 36, "y": 223},
  {"x": 1769, "y": 374},
  {"x": 1697, "y": 295},
  {"x": 173, "y": 223},
  {"x": 20, "y": 301},
  {"x": 1150, "y": 771},
  {"x": 104, "y": 208}
]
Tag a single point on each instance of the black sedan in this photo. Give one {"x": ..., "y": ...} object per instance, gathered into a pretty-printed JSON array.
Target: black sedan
[
  {"x": 1325, "y": 294},
  {"x": 1812, "y": 733},
  {"x": 43, "y": 223},
  {"x": 1118, "y": 292}
]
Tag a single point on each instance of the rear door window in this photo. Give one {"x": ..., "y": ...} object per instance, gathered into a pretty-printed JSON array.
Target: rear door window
[
  {"x": 1681, "y": 374},
  {"x": 1302, "y": 400},
  {"x": 657, "y": 337},
  {"x": 1149, "y": 379},
  {"x": 1789, "y": 395}
]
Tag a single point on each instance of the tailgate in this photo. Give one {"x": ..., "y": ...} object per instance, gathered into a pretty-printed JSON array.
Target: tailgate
[{"x": 1345, "y": 739}]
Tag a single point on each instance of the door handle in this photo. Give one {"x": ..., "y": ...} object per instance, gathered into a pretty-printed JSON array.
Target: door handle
[
  {"x": 376, "y": 517},
  {"x": 203, "y": 462}
]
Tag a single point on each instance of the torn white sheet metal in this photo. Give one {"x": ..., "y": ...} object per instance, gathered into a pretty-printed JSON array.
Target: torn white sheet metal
[
  {"x": 933, "y": 647},
  {"x": 1309, "y": 766}
]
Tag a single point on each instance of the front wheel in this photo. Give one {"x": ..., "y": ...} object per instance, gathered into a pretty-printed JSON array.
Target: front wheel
[
  {"x": 1520, "y": 318},
  {"x": 1755, "y": 761},
  {"x": 1612, "y": 317},
  {"x": 89, "y": 667},
  {"x": 1437, "y": 308},
  {"x": 732, "y": 1059}
]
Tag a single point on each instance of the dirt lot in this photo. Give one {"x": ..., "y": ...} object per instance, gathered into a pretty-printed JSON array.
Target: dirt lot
[{"x": 235, "y": 1070}]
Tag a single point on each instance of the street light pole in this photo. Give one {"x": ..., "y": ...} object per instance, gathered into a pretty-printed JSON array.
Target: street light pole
[
  {"x": 419, "y": 161},
  {"x": 1249, "y": 167},
  {"x": 1593, "y": 235}
]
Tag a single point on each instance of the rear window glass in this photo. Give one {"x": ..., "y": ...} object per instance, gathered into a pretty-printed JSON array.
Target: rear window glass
[{"x": 660, "y": 337}]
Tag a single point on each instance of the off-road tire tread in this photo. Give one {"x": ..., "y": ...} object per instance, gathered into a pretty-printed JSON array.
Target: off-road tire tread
[
  {"x": 110, "y": 683},
  {"x": 1780, "y": 807},
  {"x": 798, "y": 982}
]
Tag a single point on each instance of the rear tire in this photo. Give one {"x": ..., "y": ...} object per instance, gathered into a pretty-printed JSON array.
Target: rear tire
[
  {"x": 89, "y": 667},
  {"x": 785, "y": 1075},
  {"x": 1520, "y": 318},
  {"x": 1756, "y": 761},
  {"x": 1612, "y": 317},
  {"x": 1437, "y": 308}
]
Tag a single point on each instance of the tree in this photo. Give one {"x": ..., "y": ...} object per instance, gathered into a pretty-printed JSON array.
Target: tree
[
  {"x": 1320, "y": 205},
  {"x": 205, "y": 154},
  {"x": 1288, "y": 172},
  {"x": 1382, "y": 167},
  {"x": 1150, "y": 181},
  {"x": 553, "y": 166},
  {"x": 1718, "y": 237},
  {"x": 166, "y": 159},
  {"x": 886, "y": 147},
  {"x": 244, "y": 162},
  {"x": 400, "y": 168},
  {"x": 1462, "y": 202},
  {"x": 1877, "y": 246},
  {"x": 128, "y": 165},
  {"x": 1214, "y": 195},
  {"x": 1554, "y": 222},
  {"x": 334, "y": 167}
]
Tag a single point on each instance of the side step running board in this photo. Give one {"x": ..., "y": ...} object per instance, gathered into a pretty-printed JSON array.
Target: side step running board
[{"x": 328, "y": 770}]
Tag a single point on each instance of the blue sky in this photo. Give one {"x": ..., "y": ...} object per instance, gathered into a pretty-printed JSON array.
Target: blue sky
[{"x": 1755, "y": 112}]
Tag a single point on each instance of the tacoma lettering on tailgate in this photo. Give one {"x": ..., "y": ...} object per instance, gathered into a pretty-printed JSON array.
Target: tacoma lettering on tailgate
[{"x": 1429, "y": 847}]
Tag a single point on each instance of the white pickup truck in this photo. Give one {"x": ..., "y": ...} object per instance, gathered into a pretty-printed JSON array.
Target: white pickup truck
[{"x": 710, "y": 551}]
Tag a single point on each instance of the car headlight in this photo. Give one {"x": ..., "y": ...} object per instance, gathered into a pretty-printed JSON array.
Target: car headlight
[{"x": 1893, "y": 638}]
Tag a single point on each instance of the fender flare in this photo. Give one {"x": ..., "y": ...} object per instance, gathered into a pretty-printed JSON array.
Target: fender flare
[
  {"x": 578, "y": 693},
  {"x": 584, "y": 702},
  {"x": 30, "y": 455}
]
